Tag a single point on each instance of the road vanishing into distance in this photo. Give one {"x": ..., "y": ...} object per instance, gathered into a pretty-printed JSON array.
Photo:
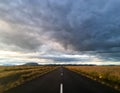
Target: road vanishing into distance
[{"x": 62, "y": 80}]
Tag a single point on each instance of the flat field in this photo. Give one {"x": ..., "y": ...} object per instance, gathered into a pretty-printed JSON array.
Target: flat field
[
  {"x": 12, "y": 76},
  {"x": 109, "y": 75}
]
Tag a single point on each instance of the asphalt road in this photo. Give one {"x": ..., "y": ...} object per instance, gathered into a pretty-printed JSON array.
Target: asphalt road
[{"x": 62, "y": 81}]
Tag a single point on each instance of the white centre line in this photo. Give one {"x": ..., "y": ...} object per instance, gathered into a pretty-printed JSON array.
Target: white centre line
[
  {"x": 61, "y": 74},
  {"x": 61, "y": 88}
]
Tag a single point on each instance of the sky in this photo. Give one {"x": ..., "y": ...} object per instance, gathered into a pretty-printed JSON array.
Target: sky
[{"x": 60, "y": 32}]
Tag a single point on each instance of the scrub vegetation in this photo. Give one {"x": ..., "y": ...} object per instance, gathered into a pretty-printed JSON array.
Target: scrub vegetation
[
  {"x": 109, "y": 75},
  {"x": 12, "y": 76}
]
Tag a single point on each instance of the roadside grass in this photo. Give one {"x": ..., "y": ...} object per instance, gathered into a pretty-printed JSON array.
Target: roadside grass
[
  {"x": 16, "y": 75},
  {"x": 109, "y": 75}
]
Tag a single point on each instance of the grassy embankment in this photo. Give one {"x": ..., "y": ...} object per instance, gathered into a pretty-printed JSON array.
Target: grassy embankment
[
  {"x": 13, "y": 76},
  {"x": 109, "y": 75}
]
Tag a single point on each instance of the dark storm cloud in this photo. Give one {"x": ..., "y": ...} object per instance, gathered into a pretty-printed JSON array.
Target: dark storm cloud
[
  {"x": 81, "y": 25},
  {"x": 65, "y": 59}
]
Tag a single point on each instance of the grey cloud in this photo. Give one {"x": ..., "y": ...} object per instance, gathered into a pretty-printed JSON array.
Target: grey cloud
[
  {"x": 65, "y": 59},
  {"x": 80, "y": 25},
  {"x": 22, "y": 40}
]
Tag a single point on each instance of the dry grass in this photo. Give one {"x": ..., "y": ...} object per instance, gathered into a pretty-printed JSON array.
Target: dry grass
[
  {"x": 109, "y": 75},
  {"x": 13, "y": 76}
]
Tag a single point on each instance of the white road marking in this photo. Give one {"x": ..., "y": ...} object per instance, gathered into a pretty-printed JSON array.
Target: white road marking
[
  {"x": 61, "y": 88},
  {"x": 61, "y": 74}
]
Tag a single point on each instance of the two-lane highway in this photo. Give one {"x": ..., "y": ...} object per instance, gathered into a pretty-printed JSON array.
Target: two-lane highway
[{"x": 62, "y": 81}]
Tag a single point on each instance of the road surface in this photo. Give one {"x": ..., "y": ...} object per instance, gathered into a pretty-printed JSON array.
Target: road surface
[{"x": 62, "y": 81}]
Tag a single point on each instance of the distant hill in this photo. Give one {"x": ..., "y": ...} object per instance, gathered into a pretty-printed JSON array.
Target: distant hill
[{"x": 31, "y": 64}]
